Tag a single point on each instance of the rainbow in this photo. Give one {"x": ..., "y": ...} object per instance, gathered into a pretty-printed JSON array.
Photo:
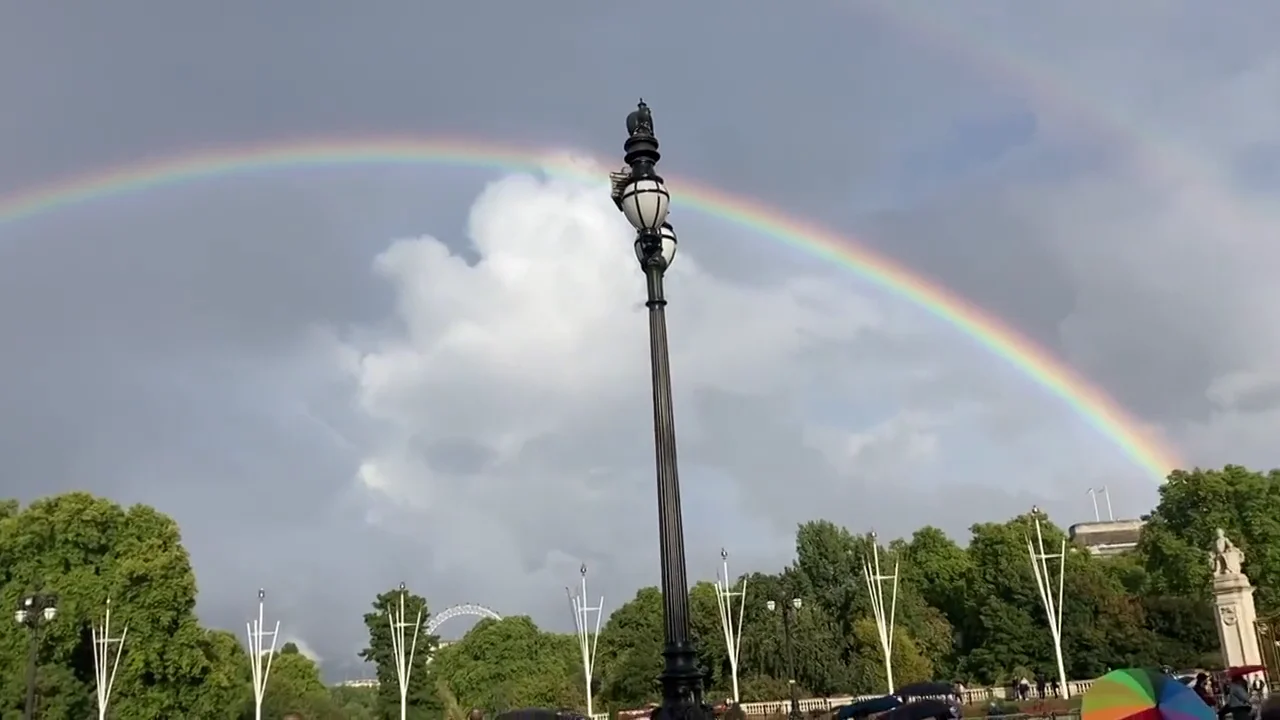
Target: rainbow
[{"x": 1087, "y": 400}]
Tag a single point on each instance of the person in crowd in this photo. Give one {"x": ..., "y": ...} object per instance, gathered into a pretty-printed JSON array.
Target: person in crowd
[
  {"x": 1040, "y": 683},
  {"x": 957, "y": 690},
  {"x": 1053, "y": 687},
  {"x": 1238, "y": 705},
  {"x": 1024, "y": 688},
  {"x": 1205, "y": 690}
]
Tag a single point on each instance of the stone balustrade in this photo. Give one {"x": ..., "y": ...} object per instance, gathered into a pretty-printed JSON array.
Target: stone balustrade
[{"x": 972, "y": 696}]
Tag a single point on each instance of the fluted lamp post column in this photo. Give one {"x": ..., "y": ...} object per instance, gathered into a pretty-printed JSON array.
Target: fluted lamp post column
[
  {"x": 640, "y": 194},
  {"x": 787, "y": 609}
]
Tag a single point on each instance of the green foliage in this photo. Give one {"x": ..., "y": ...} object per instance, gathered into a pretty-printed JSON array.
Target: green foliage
[
  {"x": 423, "y": 696},
  {"x": 504, "y": 664},
  {"x": 1193, "y": 505},
  {"x": 86, "y": 549},
  {"x": 354, "y": 703},
  {"x": 964, "y": 611},
  {"x": 294, "y": 685}
]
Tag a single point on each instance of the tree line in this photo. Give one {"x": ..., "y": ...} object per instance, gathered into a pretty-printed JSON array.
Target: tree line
[{"x": 969, "y": 612}]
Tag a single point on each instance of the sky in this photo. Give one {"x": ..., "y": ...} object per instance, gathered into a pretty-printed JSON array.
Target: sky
[{"x": 337, "y": 379}]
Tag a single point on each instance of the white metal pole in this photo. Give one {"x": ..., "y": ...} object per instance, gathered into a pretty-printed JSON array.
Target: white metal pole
[
  {"x": 1107, "y": 492},
  {"x": 587, "y": 637},
  {"x": 404, "y": 660},
  {"x": 1044, "y": 583},
  {"x": 725, "y": 595},
  {"x": 260, "y": 671},
  {"x": 1093, "y": 495},
  {"x": 884, "y": 621},
  {"x": 104, "y": 664}
]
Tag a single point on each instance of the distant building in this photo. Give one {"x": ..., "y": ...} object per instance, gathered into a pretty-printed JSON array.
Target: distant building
[{"x": 1108, "y": 537}]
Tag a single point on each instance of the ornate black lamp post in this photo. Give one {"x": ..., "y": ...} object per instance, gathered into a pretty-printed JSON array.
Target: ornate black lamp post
[
  {"x": 787, "y": 609},
  {"x": 642, "y": 197},
  {"x": 33, "y": 612}
]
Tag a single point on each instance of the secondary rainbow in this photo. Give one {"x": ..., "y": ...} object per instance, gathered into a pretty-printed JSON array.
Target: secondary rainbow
[{"x": 1087, "y": 400}]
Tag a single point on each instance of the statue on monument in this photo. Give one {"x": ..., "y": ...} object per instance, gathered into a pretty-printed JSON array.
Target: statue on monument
[{"x": 1226, "y": 558}]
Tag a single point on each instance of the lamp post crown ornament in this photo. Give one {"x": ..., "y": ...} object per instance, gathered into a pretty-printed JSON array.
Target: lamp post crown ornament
[
  {"x": 640, "y": 121},
  {"x": 583, "y": 569},
  {"x": 724, "y": 554}
]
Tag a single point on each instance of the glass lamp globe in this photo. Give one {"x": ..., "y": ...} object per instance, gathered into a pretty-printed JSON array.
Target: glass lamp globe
[
  {"x": 796, "y": 603},
  {"x": 50, "y": 613},
  {"x": 20, "y": 616},
  {"x": 771, "y": 605},
  {"x": 666, "y": 250},
  {"x": 645, "y": 202}
]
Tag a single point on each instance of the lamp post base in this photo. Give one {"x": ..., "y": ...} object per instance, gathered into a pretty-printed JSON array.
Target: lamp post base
[
  {"x": 683, "y": 711},
  {"x": 681, "y": 682}
]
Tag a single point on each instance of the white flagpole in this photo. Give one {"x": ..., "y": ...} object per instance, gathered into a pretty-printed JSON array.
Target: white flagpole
[
  {"x": 732, "y": 631},
  {"x": 104, "y": 664},
  {"x": 404, "y": 660},
  {"x": 884, "y": 621},
  {"x": 260, "y": 671},
  {"x": 587, "y": 638},
  {"x": 1044, "y": 583}
]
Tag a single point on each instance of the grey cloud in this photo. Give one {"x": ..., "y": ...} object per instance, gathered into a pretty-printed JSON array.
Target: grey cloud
[{"x": 185, "y": 347}]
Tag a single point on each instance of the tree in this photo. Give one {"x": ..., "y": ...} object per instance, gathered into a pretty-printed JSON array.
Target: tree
[
  {"x": 972, "y": 612},
  {"x": 423, "y": 698},
  {"x": 630, "y": 651},
  {"x": 86, "y": 549},
  {"x": 867, "y": 671},
  {"x": 294, "y": 685},
  {"x": 1178, "y": 535},
  {"x": 938, "y": 567},
  {"x": 354, "y": 703},
  {"x": 1004, "y": 624},
  {"x": 504, "y": 664}
]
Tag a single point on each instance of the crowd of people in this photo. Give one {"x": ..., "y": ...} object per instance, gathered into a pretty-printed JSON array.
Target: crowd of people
[{"x": 1234, "y": 699}]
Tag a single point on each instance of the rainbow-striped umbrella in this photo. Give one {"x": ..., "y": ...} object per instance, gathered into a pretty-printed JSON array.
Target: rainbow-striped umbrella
[{"x": 1137, "y": 694}]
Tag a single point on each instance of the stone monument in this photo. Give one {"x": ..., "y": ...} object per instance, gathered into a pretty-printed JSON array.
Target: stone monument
[{"x": 1233, "y": 600}]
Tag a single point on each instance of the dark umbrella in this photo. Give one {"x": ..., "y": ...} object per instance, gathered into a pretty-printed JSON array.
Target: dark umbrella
[
  {"x": 924, "y": 689},
  {"x": 922, "y": 710},
  {"x": 867, "y": 707},
  {"x": 1235, "y": 672},
  {"x": 540, "y": 714}
]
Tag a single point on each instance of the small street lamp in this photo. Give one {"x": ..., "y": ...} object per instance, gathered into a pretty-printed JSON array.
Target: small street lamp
[
  {"x": 34, "y": 612},
  {"x": 638, "y": 191},
  {"x": 787, "y": 610}
]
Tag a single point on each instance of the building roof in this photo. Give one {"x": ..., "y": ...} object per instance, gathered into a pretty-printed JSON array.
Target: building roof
[{"x": 1098, "y": 534}]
